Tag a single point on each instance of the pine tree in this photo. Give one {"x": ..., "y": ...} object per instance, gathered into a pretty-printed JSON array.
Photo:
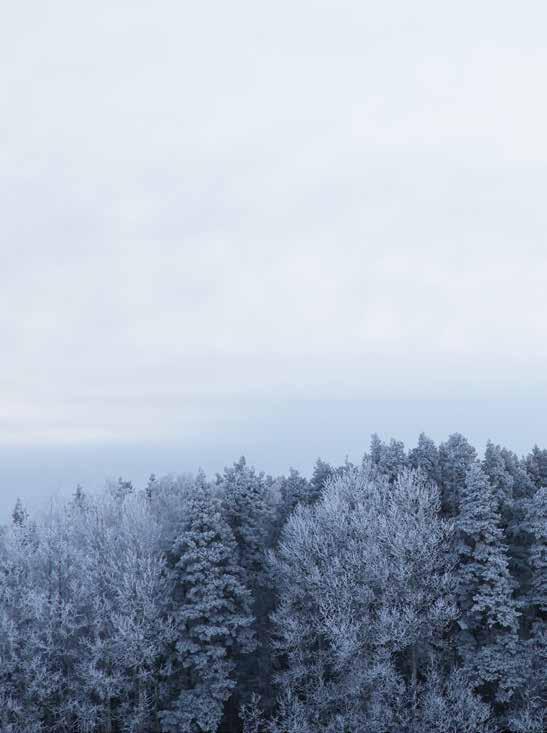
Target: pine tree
[
  {"x": 518, "y": 536},
  {"x": 322, "y": 472},
  {"x": 529, "y": 716},
  {"x": 245, "y": 496},
  {"x": 455, "y": 458},
  {"x": 389, "y": 458},
  {"x": 19, "y": 514},
  {"x": 536, "y": 465},
  {"x": 211, "y": 616},
  {"x": 488, "y": 642},
  {"x": 79, "y": 498},
  {"x": 500, "y": 480},
  {"x": 425, "y": 457},
  {"x": 151, "y": 486},
  {"x": 536, "y": 522},
  {"x": 248, "y": 512},
  {"x": 294, "y": 489},
  {"x": 121, "y": 489}
]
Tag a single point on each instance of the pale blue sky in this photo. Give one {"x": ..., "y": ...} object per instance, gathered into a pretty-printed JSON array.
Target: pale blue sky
[{"x": 267, "y": 228}]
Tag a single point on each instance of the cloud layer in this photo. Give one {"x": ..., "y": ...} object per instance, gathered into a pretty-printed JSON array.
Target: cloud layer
[{"x": 214, "y": 206}]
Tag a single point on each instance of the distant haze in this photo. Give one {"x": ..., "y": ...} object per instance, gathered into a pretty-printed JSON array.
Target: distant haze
[{"x": 267, "y": 228}]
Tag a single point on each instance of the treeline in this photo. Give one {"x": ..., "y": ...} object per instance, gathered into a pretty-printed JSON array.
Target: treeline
[{"x": 406, "y": 593}]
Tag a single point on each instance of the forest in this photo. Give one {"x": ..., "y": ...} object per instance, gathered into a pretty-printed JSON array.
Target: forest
[{"x": 405, "y": 593}]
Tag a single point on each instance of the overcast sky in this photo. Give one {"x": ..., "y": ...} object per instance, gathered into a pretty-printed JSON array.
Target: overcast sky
[{"x": 267, "y": 228}]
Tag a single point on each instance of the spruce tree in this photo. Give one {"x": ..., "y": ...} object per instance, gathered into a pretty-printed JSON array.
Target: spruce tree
[
  {"x": 536, "y": 522},
  {"x": 536, "y": 465},
  {"x": 151, "y": 486},
  {"x": 248, "y": 512},
  {"x": 211, "y": 616},
  {"x": 519, "y": 539},
  {"x": 455, "y": 457},
  {"x": 425, "y": 457},
  {"x": 19, "y": 515},
  {"x": 489, "y": 617},
  {"x": 500, "y": 480},
  {"x": 322, "y": 472},
  {"x": 294, "y": 489},
  {"x": 388, "y": 458},
  {"x": 529, "y": 714},
  {"x": 245, "y": 496}
]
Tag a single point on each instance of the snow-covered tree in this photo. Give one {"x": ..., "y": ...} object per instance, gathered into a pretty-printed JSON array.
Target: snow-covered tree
[
  {"x": 248, "y": 512},
  {"x": 389, "y": 458},
  {"x": 489, "y": 617},
  {"x": 501, "y": 481},
  {"x": 536, "y": 465},
  {"x": 455, "y": 457},
  {"x": 19, "y": 514},
  {"x": 536, "y": 523},
  {"x": 248, "y": 507},
  {"x": 322, "y": 473},
  {"x": 211, "y": 618},
  {"x": 425, "y": 457},
  {"x": 364, "y": 597}
]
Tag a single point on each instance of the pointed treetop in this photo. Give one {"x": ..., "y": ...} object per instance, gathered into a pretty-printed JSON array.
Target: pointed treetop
[{"x": 19, "y": 514}]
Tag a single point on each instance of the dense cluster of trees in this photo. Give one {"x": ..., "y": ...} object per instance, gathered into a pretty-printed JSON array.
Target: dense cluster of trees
[{"x": 406, "y": 593}]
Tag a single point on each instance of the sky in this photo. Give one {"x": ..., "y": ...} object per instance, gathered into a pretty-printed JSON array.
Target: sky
[{"x": 269, "y": 229}]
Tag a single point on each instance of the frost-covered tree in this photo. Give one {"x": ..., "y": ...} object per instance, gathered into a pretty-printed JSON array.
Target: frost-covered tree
[
  {"x": 19, "y": 514},
  {"x": 322, "y": 473},
  {"x": 501, "y": 481},
  {"x": 80, "y": 618},
  {"x": 489, "y": 617},
  {"x": 211, "y": 619},
  {"x": 365, "y": 595},
  {"x": 536, "y": 524},
  {"x": 79, "y": 499},
  {"x": 447, "y": 704},
  {"x": 425, "y": 457},
  {"x": 121, "y": 489},
  {"x": 247, "y": 510},
  {"x": 246, "y": 498},
  {"x": 536, "y": 465},
  {"x": 151, "y": 486},
  {"x": 455, "y": 457},
  {"x": 389, "y": 458},
  {"x": 294, "y": 489},
  {"x": 517, "y": 533}
]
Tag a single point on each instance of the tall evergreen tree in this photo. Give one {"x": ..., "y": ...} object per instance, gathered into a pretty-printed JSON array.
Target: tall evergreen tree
[
  {"x": 19, "y": 515},
  {"x": 294, "y": 489},
  {"x": 516, "y": 528},
  {"x": 211, "y": 615},
  {"x": 389, "y": 458},
  {"x": 425, "y": 457},
  {"x": 79, "y": 497},
  {"x": 536, "y": 465},
  {"x": 248, "y": 512},
  {"x": 501, "y": 481},
  {"x": 322, "y": 472},
  {"x": 151, "y": 486},
  {"x": 245, "y": 496},
  {"x": 455, "y": 457},
  {"x": 536, "y": 522},
  {"x": 488, "y": 642},
  {"x": 529, "y": 714}
]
